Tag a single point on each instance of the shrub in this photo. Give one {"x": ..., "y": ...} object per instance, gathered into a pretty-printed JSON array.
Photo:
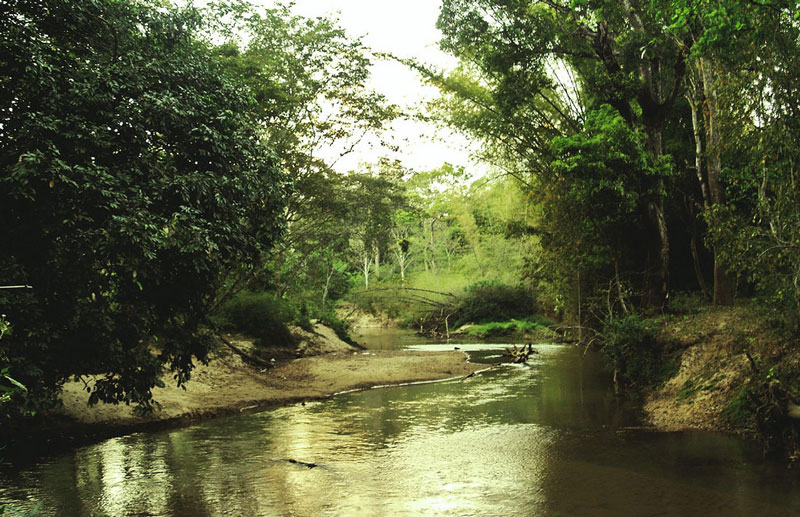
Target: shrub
[
  {"x": 490, "y": 301},
  {"x": 260, "y": 315},
  {"x": 629, "y": 344}
]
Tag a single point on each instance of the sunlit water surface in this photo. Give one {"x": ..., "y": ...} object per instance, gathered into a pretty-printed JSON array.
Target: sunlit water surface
[{"x": 547, "y": 439}]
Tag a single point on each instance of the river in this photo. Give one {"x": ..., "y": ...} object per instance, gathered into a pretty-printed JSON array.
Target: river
[{"x": 545, "y": 439}]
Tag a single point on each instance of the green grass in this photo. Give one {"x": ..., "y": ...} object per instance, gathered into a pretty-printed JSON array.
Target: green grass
[{"x": 505, "y": 328}]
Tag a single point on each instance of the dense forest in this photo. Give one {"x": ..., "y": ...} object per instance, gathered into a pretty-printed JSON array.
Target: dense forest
[{"x": 166, "y": 174}]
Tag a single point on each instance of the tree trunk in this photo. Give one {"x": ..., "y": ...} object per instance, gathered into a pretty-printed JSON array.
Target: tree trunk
[
  {"x": 698, "y": 271},
  {"x": 400, "y": 252},
  {"x": 723, "y": 284},
  {"x": 695, "y": 98},
  {"x": 327, "y": 283},
  {"x": 401, "y": 263},
  {"x": 657, "y": 267},
  {"x": 656, "y": 278},
  {"x": 366, "y": 270},
  {"x": 279, "y": 276},
  {"x": 377, "y": 262},
  {"x": 433, "y": 249},
  {"x": 695, "y": 101},
  {"x": 655, "y": 103},
  {"x": 620, "y": 293}
]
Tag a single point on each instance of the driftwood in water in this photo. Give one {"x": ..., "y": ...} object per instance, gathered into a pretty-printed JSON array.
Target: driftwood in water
[{"x": 520, "y": 355}]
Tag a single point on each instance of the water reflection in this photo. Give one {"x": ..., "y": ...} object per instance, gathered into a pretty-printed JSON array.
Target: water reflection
[{"x": 523, "y": 441}]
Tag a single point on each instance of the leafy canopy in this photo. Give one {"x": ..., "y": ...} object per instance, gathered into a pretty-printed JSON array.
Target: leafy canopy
[{"x": 133, "y": 176}]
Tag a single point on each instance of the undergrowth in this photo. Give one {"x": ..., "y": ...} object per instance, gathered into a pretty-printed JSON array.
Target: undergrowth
[
  {"x": 630, "y": 346},
  {"x": 261, "y": 316}
]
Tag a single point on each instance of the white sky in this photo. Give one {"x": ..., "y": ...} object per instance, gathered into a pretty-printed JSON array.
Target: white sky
[{"x": 405, "y": 29}]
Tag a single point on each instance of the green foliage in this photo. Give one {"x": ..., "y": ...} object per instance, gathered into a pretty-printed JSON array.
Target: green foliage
[
  {"x": 766, "y": 249},
  {"x": 132, "y": 178},
  {"x": 308, "y": 78},
  {"x": 452, "y": 237},
  {"x": 629, "y": 345},
  {"x": 505, "y": 328},
  {"x": 597, "y": 188},
  {"x": 493, "y": 302},
  {"x": 261, "y": 316},
  {"x": 592, "y": 200}
]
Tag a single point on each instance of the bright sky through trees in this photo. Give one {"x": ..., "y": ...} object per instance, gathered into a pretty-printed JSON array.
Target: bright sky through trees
[{"x": 405, "y": 29}]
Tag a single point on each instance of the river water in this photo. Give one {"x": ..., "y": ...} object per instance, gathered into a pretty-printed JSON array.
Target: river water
[{"x": 546, "y": 439}]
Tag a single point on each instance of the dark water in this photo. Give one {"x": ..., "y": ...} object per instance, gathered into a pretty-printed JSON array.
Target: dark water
[{"x": 548, "y": 439}]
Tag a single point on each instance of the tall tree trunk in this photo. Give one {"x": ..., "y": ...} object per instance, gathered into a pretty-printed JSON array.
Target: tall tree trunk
[
  {"x": 723, "y": 283},
  {"x": 331, "y": 269},
  {"x": 433, "y": 248},
  {"x": 365, "y": 267},
  {"x": 400, "y": 257},
  {"x": 656, "y": 281},
  {"x": 377, "y": 262},
  {"x": 400, "y": 252},
  {"x": 698, "y": 270},
  {"x": 695, "y": 98},
  {"x": 620, "y": 293},
  {"x": 278, "y": 275}
]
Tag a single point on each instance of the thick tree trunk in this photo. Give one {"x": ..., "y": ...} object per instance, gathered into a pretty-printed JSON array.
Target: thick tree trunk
[{"x": 723, "y": 283}]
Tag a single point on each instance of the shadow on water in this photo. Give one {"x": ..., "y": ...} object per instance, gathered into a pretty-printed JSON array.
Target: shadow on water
[{"x": 547, "y": 439}]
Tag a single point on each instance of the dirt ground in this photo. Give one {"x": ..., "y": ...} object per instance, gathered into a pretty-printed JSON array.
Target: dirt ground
[
  {"x": 710, "y": 349},
  {"x": 229, "y": 385}
]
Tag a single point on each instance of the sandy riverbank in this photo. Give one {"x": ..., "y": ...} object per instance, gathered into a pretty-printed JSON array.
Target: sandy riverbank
[{"x": 229, "y": 385}]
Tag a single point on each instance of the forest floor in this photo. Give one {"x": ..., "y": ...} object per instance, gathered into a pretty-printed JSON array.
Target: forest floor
[
  {"x": 229, "y": 385},
  {"x": 710, "y": 348}
]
